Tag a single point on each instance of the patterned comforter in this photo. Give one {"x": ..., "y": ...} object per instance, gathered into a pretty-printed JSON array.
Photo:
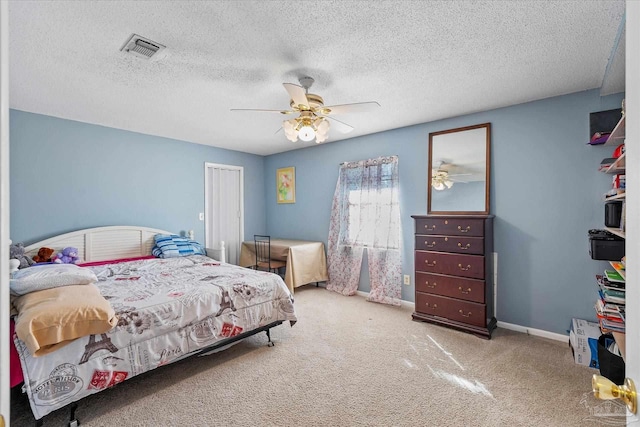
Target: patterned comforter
[{"x": 167, "y": 309}]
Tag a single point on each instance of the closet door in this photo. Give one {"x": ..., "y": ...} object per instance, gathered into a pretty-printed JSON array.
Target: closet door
[{"x": 224, "y": 209}]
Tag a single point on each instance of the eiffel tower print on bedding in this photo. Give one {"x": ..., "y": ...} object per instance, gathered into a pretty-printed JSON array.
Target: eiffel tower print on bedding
[{"x": 167, "y": 309}]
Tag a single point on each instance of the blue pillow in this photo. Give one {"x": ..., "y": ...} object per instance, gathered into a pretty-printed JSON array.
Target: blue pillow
[{"x": 172, "y": 245}]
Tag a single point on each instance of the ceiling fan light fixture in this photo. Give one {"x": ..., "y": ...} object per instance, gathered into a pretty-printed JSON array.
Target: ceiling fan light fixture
[
  {"x": 438, "y": 185},
  {"x": 323, "y": 126},
  {"x": 306, "y": 133},
  {"x": 289, "y": 130}
]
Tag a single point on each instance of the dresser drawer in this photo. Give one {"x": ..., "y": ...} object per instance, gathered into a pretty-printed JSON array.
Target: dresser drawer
[
  {"x": 462, "y": 245},
  {"x": 451, "y": 286},
  {"x": 450, "y": 226},
  {"x": 453, "y": 309},
  {"x": 452, "y": 264}
]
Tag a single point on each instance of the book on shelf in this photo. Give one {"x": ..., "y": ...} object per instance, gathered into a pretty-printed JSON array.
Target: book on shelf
[
  {"x": 613, "y": 297},
  {"x": 604, "y": 283},
  {"x": 615, "y": 320},
  {"x": 613, "y": 276},
  {"x": 608, "y": 326},
  {"x": 606, "y": 309},
  {"x": 618, "y": 266},
  {"x": 605, "y": 163}
]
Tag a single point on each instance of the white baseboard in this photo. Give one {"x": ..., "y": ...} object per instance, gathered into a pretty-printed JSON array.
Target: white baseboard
[
  {"x": 510, "y": 326},
  {"x": 535, "y": 332}
]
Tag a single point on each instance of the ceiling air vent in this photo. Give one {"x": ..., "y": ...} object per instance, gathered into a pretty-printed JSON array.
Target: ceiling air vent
[{"x": 142, "y": 48}]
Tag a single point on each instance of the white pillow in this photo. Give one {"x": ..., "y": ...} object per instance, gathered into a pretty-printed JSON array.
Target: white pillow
[{"x": 40, "y": 277}]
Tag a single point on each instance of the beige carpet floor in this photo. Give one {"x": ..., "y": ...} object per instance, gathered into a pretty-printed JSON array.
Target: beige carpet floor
[{"x": 348, "y": 362}]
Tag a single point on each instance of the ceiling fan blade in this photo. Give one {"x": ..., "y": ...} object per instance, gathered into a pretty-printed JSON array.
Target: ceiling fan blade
[
  {"x": 340, "y": 126},
  {"x": 297, "y": 94},
  {"x": 257, "y": 110},
  {"x": 358, "y": 107}
]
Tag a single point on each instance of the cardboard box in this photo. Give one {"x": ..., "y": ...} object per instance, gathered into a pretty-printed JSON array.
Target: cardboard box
[{"x": 583, "y": 340}]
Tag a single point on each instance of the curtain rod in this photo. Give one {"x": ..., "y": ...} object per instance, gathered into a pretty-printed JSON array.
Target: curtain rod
[{"x": 392, "y": 155}]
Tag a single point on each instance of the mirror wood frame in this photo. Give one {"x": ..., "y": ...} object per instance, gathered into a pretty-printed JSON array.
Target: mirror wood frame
[{"x": 487, "y": 126}]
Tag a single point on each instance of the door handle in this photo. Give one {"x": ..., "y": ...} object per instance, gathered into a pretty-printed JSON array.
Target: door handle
[
  {"x": 430, "y": 286},
  {"x": 463, "y": 291},
  {"x": 605, "y": 389},
  {"x": 464, "y": 268},
  {"x": 430, "y": 245},
  {"x": 465, "y": 247},
  {"x": 426, "y": 261}
]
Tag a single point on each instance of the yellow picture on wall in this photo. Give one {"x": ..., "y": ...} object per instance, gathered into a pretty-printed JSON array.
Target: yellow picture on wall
[{"x": 286, "y": 185}]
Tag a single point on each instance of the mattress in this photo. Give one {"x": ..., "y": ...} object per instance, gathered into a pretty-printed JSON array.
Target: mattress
[{"x": 167, "y": 309}]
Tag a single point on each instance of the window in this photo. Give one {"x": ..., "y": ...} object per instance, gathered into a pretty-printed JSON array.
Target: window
[{"x": 370, "y": 204}]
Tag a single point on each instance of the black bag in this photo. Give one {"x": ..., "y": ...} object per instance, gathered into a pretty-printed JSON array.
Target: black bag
[{"x": 611, "y": 365}]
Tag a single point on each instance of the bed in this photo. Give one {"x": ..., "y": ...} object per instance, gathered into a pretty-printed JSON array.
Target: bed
[{"x": 166, "y": 310}]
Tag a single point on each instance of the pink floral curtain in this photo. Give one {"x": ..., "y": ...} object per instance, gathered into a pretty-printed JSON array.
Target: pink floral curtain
[{"x": 366, "y": 214}]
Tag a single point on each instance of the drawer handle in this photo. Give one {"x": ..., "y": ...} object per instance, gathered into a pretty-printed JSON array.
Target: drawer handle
[
  {"x": 430, "y": 229},
  {"x": 432, "y": 306},
  {"x": 467, "y": 246},
  {"x": 465, "y": 315},
  {"x": 430, "y": 245},
  {"x": 466, "y": 230},
  {"x": 463, "y": 291},
  {"x": 468, "y": 267},
  {"x": 430, "y": 286},
  {"x": 426, "y": 261}
]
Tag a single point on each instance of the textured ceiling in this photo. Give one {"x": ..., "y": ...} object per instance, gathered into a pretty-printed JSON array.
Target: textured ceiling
[{"x": 422, "y": 61}]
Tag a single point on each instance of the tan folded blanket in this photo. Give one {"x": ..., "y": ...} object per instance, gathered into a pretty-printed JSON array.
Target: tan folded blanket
[{"x": 52, "y": 318}]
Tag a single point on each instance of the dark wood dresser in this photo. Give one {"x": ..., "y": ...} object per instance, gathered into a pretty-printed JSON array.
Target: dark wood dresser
[{"x": 454, "y": 272}]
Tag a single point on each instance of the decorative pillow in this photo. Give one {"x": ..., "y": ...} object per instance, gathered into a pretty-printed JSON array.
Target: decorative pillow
[
  {"x": 50, "y": 319},
  {"x": 172, "y": 245},
  {"x": 167, "y": 248},
  {"x": 40, "y": 277}
]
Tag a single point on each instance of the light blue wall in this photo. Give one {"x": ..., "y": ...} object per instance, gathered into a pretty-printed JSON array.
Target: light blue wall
[
  {"x": 68, "y": 175},
  {"x": 545, "y": 193}
]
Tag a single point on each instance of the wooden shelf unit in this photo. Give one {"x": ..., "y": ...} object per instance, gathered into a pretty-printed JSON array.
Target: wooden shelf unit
[
  {"x": 620, "y": 196},
  {"x": 616, "y": 231},
  {"x": 618, "y": 134},
  {"x": 617, "y": 137},
  {"x": 618, "y": 166}
]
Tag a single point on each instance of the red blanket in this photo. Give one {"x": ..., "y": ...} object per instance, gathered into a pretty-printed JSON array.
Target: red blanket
[{"x": 15, "y": 375}]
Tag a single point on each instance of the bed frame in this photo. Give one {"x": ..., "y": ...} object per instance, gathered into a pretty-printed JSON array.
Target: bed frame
[{"x": 114, "y": 242}]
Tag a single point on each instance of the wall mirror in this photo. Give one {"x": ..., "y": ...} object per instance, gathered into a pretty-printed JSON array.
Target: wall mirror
[{"x": 458, "y": 177}]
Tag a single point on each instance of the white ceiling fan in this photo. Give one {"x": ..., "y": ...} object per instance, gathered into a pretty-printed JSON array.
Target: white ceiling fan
[
  {"x": 314, "y": 119},
  {"x": 442, "y": 179}
]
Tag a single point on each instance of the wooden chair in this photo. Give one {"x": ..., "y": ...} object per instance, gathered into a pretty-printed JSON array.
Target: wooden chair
[{"x": 263, "y": 254}]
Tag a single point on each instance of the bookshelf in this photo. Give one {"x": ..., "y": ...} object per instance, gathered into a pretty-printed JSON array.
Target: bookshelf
[{"x": 611, "y": 302}]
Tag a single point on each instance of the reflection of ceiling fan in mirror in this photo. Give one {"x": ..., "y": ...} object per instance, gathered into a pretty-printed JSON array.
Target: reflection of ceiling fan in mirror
[
  {"x": 314, "y": 118},
  {"x": 442, "y": 178}
]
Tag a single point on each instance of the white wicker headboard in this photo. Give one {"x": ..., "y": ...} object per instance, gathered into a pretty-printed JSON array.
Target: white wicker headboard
[{"x": 103, "y": 243}]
